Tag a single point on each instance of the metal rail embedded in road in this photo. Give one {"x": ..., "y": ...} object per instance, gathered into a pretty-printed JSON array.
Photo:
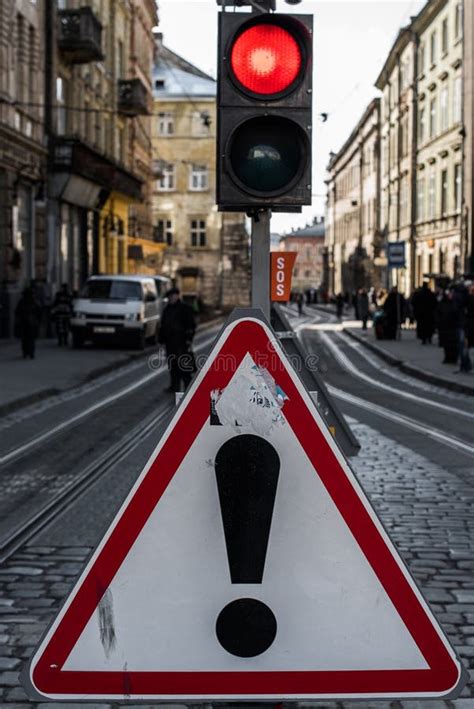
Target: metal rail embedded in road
[
  {"x": 81, "y": 485},
  {"x": 435, "y": 433},
  {"x": 19, "y": 451}
]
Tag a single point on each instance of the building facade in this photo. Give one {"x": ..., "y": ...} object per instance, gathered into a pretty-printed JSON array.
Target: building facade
[
  {"x": 207, "y": 251},
  {"x": 423, "y": 133},
  {"x": 467, "y": 229},
  {"x": 98, "y": 84},
  {"x": 23, "y": 248},
  {"x": 353, "y": 240},
  {"x": 309, "y": 246}
]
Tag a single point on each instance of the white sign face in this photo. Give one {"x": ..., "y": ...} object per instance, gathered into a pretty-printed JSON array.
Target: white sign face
[{"x": 188, "y": 597}]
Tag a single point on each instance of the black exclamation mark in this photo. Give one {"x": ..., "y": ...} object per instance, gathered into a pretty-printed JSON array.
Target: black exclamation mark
[{"x": 247, "y": 469}]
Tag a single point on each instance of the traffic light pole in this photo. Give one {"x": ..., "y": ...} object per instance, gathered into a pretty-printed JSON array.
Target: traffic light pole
[{"x": 260, "y": 261}]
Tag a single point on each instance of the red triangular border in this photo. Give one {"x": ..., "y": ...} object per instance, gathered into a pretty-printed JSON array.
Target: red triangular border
[{"x": 239, "y": 338}]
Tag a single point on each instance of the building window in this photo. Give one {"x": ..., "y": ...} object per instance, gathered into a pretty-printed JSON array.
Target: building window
[
  {"x": 163, "y": 232},
  {"x": 457, "y": 187},
  {"x": 420, "y": 199},
  {"x": 458, "y": 21},
  {"x": 421, "y": 59},
  {"x": 457, "y": 100},
  {"x": 404, "y": 128},
  {"x": 198, "y": 232},
  {"x": 32, "y": 63},
  {"x": 198, "y": 178},
  {"x": 167, "y": 181},
  {"x": 444, "y": 36},
  {"x": 433, "y": 117},
  {"x": 61, "y": 104},
  {"x": 20, "y": 57},
  {"x": 421, "y": 125},
  {"x": 444, "y": 192},
  {"x": 432, "y": 195},
  {"x": 444, "y": 107},
  {"x": 165, "y": 124},
  {"x": 403, "y": 202},
  {"x": 433, "y": 48}
]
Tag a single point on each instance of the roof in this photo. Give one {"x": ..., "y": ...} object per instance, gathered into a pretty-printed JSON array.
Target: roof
[
  {"x": 406, "y": 34},
  {"x": 180, "y": 77},
  {"x": 315, "y": 231}
]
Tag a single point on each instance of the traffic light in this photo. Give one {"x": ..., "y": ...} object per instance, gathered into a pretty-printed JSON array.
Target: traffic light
[{"x": 264, "y": 97}]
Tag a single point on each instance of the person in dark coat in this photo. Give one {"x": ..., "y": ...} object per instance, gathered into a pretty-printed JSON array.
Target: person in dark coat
[
  {"x": 394, "y": 309},
  {"x": 299, "y": 303},
  {"x": 470, "y": 316},
  {"x": 363, "y": 307},
  {"x": 446, "y": 324},
  {"x": 62, "y": 311},
  {"x": 176, "y": 334},
  {"x": 339, "y": 305},
  {"x": 27, "y": 320},
  {"x": 424, "y": 307}
]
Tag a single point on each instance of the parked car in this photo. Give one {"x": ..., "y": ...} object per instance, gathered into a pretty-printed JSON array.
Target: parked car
[{"x": 116, "y": 307}]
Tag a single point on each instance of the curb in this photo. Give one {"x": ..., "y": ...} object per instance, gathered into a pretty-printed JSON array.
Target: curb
[
  {"x": 38, "y": 396},
  {"x": 410, "y": 369}
]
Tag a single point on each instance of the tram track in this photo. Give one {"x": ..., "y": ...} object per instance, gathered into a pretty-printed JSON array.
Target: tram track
[
  {"x": 26, "y": 447},
  {"x": 81, "y": 484}
]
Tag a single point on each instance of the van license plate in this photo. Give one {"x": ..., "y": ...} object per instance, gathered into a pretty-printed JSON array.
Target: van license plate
[{"x": 104, "y": 329}]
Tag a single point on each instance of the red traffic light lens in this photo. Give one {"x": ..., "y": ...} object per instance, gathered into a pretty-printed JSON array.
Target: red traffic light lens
[{"x": 266, "y": 59}]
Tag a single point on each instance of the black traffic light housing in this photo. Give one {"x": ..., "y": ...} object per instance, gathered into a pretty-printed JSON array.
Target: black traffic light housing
[{"x": 264, "y": 135}]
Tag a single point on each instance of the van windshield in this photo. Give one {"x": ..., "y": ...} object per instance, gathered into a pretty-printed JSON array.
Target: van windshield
[{"x": 112, "y": 290}]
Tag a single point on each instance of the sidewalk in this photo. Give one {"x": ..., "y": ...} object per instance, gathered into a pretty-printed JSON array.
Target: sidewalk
[
  {"x": 410, "y": 356},
  {"x": 54, "y": 370}
]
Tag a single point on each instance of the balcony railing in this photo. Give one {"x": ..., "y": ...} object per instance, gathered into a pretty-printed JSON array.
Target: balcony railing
[
  {"x": 132, "y": 97},
  {"x": 79, "y": 36}
]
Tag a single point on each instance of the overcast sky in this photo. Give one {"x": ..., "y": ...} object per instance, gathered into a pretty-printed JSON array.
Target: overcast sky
[{"x": 351, "y": 41}]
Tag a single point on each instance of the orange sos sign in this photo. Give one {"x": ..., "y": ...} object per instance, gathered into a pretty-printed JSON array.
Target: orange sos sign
[{"x": 281, "y": 271}]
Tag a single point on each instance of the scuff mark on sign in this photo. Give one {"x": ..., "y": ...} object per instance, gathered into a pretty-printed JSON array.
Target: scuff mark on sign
[
  {"x": 127, "y": 683},
  {"x": 106, "y": 623},
  {"x": 251, "y": 401}
]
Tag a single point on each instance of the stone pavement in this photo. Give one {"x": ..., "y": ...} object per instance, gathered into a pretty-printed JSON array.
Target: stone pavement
[
  {"x": 427, "y": 510},
  {"x": 54, "y": 369}
]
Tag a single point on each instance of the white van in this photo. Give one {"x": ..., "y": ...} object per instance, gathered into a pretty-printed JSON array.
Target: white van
[{"x": 120, "y": 307}]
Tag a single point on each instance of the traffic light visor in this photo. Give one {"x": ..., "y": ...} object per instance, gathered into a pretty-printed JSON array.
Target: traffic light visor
[
  {"x": 266, "y": 59},
  {"x": 267, "y": 155}
]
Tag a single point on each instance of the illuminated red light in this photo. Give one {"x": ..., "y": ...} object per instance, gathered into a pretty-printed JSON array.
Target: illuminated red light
[{"x": 266, "y": 59}]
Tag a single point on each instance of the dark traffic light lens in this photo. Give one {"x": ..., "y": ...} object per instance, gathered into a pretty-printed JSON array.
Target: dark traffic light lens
[
  {"x": 266, "y": 59},
  {"x": 266, "y": 153}
]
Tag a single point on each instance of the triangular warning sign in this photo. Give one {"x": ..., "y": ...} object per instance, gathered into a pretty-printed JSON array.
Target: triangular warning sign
[{"x": 246, "y": 563}]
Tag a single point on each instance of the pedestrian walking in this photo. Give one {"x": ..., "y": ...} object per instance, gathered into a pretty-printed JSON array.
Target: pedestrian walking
[
  {"x": 62, "y": 311},
  {"x": 424, "y": 306},
  {"x": 27, "y": 319},
  {"x": 176, "y": 334},
  {"x": 363, "y": 307},
  {"x": 394, "y": 308},
  {"x": 446, "y": 326},
  {"x": 355, "y": 306},
  {"x": 339, "y": 305},
  {"x": 460, "y": 300},
  {"x": 299, "y": 303},
  {"x": 470, "y": 320}
]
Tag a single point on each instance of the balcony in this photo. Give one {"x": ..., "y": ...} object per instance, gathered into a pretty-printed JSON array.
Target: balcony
[
  {"x": 79, "y": 36},
  {"x": 69, "y": 155},
  {"x": 132, "y": 97}
]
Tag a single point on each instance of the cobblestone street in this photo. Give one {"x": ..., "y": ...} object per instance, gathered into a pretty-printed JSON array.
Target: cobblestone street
[{"x": 428, "y": 511}]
